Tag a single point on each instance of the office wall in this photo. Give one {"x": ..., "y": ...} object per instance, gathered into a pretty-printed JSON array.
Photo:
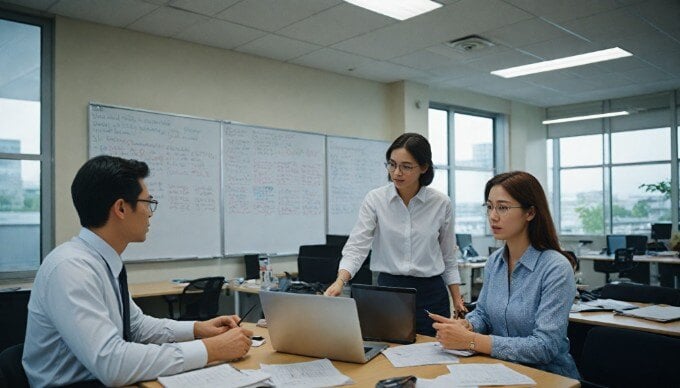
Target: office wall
[{"x": 114, "y": 66}]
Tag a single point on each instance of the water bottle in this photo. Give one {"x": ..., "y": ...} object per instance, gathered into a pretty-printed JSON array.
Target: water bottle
[{"x": 265, "y": 272}]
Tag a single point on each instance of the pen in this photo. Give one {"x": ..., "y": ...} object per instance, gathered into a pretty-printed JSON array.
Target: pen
[
  {"x": 427, "y": 312},
  {"x": 245, "y": 315}
]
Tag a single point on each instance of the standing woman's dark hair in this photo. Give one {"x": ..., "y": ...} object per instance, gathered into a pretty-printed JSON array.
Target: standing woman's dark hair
[
  {"x": 103, "y": 180},
  {"x": 526, "y": 189},
  {"x": 418, "y": 146}
]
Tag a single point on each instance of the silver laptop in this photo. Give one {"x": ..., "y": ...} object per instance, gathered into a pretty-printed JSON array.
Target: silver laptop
[{"x": 316, "y": 326}]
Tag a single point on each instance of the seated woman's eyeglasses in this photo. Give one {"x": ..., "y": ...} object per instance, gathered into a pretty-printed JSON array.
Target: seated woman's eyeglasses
[
  {"x": 500, "y": 209},
  {"x": 405, "y": 168},
  {"x": 152, "y": 203}
]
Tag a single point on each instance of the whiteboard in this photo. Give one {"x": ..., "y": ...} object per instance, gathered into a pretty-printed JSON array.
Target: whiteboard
[
  {"x": 183, "y": 154},
  {"x": 273, "y": 189},
  {"x": 354, "y": 167}
]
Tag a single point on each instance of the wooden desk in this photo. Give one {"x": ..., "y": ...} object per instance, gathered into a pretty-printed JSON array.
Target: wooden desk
[
  {"x": 607, "y": 318},
  {"x": 143, "y": 290},
  {"x": 367, "y": 375}
]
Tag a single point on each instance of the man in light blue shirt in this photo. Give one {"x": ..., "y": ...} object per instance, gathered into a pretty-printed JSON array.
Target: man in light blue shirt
[{"x": 82, "y": 324}]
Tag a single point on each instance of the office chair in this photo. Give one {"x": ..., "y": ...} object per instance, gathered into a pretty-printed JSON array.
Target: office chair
[
  {"x": 200, "y": 299},
  {"x": 641, "y": 293},
  {"x": 336, "y": 239},
  {"x": 623, "y": 261},
  {"x": 11, "y": 369},
  {"x": 14, "y": 316},
  {"x": 618, "y": 357}
]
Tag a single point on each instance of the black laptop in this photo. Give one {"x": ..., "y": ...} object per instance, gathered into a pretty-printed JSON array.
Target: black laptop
[{"x": 386, "y": 314}]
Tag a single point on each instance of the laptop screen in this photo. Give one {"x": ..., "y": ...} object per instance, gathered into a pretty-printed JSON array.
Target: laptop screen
[{"x": 386, "y": 313}]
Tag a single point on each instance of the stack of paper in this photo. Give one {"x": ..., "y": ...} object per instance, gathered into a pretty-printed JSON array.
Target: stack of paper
[
  {"x": 655, "y": 313},
  {"x": 421, "y": 354},
  {"x": 319, "y": 373},
  {"x": 472, "y": 375},
  {"x": 223, "y": 375},
  {"x": 602, "y": 305}
]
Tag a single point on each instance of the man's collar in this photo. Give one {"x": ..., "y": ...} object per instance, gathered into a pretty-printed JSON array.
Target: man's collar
[{"x": 103, "y": 249}]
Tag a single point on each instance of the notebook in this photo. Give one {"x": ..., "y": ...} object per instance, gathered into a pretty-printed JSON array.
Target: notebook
[
  {"x": 316, "y": 326},
  {"x": 386, "y": 313}
]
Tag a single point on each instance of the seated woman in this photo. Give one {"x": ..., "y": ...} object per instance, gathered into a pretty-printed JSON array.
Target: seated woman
[{"x": 523, "y": 309}]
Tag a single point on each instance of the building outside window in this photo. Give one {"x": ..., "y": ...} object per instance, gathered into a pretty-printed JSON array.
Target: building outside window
[
  {"x": 26, "y": 232},
  {"x": 613, "y": 176},
  {"x": 464, "y": 152}
]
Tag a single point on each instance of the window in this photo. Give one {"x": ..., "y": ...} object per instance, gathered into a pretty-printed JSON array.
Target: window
[
  {"x": 25, "y": 143},
  {"x": 464, "y": 154},
  {"x": 616, "y": 181}
]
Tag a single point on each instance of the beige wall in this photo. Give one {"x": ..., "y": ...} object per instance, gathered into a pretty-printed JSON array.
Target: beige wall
[{"x": 119, "y": 67}]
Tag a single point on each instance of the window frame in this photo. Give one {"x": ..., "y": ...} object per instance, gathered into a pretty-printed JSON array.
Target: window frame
[
  {"x": 499, "y": 143},
  {"x": 46, "y": 155},
  {"x": 607, "y": 165}
]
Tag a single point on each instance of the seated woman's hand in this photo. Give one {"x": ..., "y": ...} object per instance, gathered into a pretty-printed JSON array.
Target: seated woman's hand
[{"x": 453, "y": 334}]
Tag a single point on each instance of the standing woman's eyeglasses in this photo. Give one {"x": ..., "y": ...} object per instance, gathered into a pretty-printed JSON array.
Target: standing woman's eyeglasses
[{"x": 151, "y": 203}]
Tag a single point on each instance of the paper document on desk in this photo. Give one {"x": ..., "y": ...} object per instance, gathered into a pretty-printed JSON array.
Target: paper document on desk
[
  {"x": 223, "y": 375},
  {"x": 486, "y": 374},
  {"x": 654, "y": 313},
  {"x": 427, "y": 353},
  {"x": 601, "y": 305},
  {"x": 319, "y": 373}
]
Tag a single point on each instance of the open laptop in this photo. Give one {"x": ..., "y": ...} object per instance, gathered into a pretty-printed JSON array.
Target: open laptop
[
  {"x": 386, "y": 313},
  {"x": 316, "y": 326}
]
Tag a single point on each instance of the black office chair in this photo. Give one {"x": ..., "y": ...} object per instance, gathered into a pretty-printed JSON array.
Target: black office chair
[
  {"x": 623, "y": 261},
  {"x": 641, "y": 293},
  {"x": 13, "y": 317},
  {"x": 11, "y": 369},
  {"x": 617, "y": 357},
  {"x": 200, "y": 299}
]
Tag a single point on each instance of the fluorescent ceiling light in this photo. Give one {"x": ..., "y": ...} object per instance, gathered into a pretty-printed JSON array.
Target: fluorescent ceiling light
[
  {"x": 562, "y": 63},
  {"x": 588, "y": 117},
  {"x": 397, "y": 9}
]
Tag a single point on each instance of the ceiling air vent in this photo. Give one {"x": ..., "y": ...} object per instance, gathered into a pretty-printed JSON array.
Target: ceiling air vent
[{"x": 469, "y": 44}]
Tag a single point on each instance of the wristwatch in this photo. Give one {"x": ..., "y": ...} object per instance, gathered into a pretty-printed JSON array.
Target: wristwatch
[
  {"x": 471, "y": 345},
  {"x": 344, "y": 282}
]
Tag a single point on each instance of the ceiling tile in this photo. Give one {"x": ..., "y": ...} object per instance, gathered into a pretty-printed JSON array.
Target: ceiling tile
[
  {"x": 423, "y": 59},
  {"x": 560, "y": 48},
  {"x": 203, "y": 7},
  {"x": 501, "y": 60},
  {"x": 167, "y": 22},
  {"x": 277, "y": 47},
  {"x": 645, "y": 75},
  {"x": 445, "y": 24},
  {"x": 525, "y": 32},
  {"x": 118, "y": 13},
  {"x": 332, "y": 60},
  {"x": 335, "y": 25},
  {"x": 558, "y": 11},
  {"x": 220, "y": 33},
  {"x": 272, "y": 15},
  {"x": 610, "y": 25},
  {"x": 42, "y": 5},
  {"x": 664, "y": 14}
]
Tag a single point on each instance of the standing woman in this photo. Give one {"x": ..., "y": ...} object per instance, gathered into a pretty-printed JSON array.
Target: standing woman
[
  {"x": 409, "y": 226},
  {"x": 522, "y": 312}
]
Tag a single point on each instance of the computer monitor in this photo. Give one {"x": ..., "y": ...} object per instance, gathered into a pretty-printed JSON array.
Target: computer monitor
[
  {"x": 614, "y": 242},
  {"x": 661, "y": 231},
  {"x": 638, "y": 242},
  {"x": 463, "y": 240}
]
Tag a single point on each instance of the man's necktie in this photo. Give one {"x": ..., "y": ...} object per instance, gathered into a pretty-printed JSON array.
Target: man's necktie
[{"x": 125, "y": 297}]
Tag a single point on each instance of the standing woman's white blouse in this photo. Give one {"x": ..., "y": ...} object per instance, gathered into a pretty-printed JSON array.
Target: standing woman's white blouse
[{"x": 414, "y": 240}]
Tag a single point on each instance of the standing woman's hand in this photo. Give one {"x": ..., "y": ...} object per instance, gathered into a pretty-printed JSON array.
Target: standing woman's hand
[
  {"x": 459, "y": 309},
  {"x": 335, "y": 289}
]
